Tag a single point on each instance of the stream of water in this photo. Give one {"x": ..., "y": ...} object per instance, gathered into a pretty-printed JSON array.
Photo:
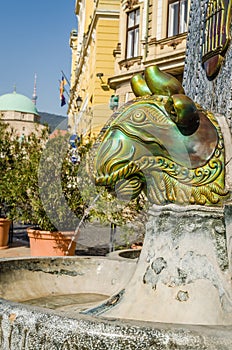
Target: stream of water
[{"x": 77, "y": 230}]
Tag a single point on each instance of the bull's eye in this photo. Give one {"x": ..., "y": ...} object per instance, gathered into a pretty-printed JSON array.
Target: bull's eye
[{"x": 138, "y": 116}]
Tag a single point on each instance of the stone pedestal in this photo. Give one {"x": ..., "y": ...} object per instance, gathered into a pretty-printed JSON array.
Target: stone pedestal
[{"x": 183, "y": 271}]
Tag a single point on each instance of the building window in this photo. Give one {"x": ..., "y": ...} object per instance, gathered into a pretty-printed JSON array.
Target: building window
[
  {"x": 132, "y": 47},
  {"x": 177, "y": 16}
]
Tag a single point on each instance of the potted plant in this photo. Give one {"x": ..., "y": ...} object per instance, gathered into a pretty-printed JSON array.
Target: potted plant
[
  {"x": 8, "y": 157},
  {"x": 56, "y": 202},
  {"x": 4, "y": 230},
  {"x": 43, "y": 193}
]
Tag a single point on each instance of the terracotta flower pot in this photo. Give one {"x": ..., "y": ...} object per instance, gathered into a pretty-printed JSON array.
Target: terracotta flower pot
[
  {"x": 4, "y": 232},
  {"x": 45, "y": 243}
]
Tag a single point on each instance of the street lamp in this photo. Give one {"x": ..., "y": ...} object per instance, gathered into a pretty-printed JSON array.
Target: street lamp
[
  {"x": 79, "y": 102},
  {"x": 78, "y": 106}
]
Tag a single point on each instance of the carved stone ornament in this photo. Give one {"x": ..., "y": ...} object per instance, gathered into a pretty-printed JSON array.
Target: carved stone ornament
[
  {"x": 128, "y": 63},
  {"x": 216, "y": 36},
  {"x": 163, "y": 144},
  {"x": 130, "y": 4}
]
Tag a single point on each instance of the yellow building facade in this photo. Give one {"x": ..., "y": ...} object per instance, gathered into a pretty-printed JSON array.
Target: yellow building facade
[
  {"x": 92, "y": 48},
  {"x": 151, "y": 32},
  {"x": 116, "y": 39}
]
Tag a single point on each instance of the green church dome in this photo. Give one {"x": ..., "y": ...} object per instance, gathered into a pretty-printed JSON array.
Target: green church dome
[{"x": 17, "y": 102}]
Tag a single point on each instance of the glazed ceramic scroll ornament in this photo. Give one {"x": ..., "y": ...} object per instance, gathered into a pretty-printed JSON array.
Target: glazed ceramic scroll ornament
[{"x": 163, "y": 144}]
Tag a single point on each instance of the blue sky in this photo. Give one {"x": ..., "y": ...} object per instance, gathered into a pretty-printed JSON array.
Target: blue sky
[{"x": 34, "y": 38}]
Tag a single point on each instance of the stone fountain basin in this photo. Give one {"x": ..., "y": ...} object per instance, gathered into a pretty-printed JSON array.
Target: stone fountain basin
[
  {"x": 41, "y": 300},
  {"x": 63, "y": 283}
]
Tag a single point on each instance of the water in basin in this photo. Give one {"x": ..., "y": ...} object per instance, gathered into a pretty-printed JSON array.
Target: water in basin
[{"x": 67, "y": 302}]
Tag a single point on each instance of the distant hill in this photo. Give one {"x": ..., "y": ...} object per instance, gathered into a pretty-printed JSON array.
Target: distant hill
[{"x": 54, "y": 121}]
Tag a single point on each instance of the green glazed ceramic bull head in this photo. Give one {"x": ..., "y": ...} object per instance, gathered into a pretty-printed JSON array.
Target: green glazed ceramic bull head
[{"x": 164, "y": 144}]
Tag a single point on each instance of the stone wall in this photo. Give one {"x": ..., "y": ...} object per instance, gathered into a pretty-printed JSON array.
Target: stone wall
[{"x": 213, "y": 95}]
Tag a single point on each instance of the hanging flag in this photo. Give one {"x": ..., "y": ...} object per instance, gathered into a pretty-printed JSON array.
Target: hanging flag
[
  {"x": 66, "y": 79},
  {"x": 62, "y": 84},
  {"x": 62, "y": 101}
]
